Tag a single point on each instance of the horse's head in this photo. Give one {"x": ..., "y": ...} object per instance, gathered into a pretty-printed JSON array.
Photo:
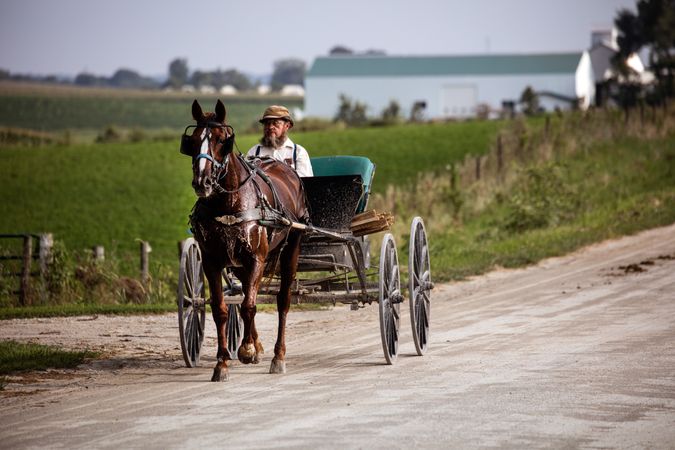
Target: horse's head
[{"x": 209, "y": 144}]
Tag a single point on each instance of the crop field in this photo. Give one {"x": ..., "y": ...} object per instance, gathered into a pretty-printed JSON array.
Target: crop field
[{"x": 61, "y": 108}]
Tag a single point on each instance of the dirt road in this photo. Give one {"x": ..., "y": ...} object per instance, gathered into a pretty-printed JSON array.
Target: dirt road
[{"x": 577, "y": 351}]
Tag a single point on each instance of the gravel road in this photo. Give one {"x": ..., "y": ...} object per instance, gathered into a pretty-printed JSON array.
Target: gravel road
[{"x": 576, "y": 352}]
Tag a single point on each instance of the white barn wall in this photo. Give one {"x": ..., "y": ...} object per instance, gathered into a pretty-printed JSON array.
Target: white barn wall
[{"x": 322, "y": 92}]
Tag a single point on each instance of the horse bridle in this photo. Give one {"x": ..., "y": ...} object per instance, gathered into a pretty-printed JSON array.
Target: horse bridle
[
  {"x": 261, "y": 212},
  {"x": 187, "y": 148}
]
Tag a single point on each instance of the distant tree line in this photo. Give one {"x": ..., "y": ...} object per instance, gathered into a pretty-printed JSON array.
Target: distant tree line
[{"x": 285, "y": 71}]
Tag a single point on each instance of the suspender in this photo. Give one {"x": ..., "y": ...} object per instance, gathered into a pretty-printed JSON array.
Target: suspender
[{"x": 295, "y": 154}]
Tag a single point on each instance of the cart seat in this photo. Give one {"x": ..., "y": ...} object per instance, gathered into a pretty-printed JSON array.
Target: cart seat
[{"x": 324, "y": 166}]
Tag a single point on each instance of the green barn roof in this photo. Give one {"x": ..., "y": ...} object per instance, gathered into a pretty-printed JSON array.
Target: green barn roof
[{"x": 371, "y": 66}]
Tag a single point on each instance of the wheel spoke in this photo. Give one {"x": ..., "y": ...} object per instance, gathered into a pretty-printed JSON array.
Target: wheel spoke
[
  {"x": 392, "y": 336},
  {"x": 187, "y": 283},
  {"x": 187, "y": 301}
]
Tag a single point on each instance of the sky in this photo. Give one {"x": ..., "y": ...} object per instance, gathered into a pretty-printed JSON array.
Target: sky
[{"x": 68, "y": 37}]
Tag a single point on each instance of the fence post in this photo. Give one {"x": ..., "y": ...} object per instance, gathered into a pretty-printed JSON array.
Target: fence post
[
  {"x": 478, "y": 168},
  {"x": 145, "y": 273},
  {"x": 98, "y": 253},
  {"x": 500, "y": 156},
  {"x": 24, "y": 299},
  {"x": 46, "y": 256}
]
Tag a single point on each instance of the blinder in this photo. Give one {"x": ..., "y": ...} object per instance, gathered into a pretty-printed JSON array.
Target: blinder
[{"x": 187, "y": 144}]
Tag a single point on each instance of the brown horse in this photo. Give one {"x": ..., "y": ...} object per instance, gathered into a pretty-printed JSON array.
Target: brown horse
[{"x": 240, "y": 222}]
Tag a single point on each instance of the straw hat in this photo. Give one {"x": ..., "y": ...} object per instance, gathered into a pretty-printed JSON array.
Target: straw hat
[{"x": 276, "y": 112}]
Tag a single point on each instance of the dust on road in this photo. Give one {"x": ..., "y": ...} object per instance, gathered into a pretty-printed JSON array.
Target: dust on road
[{"x": 574, "y": 352}]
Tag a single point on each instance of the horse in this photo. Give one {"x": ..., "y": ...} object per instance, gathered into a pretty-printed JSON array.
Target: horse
[{"x": 242, "y": 221}]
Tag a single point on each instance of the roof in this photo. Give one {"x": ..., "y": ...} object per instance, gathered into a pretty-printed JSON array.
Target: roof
[{"x": 497, "y": 64}]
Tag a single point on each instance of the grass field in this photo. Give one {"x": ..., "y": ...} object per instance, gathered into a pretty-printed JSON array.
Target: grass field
[{"x": 115, "y": 194}]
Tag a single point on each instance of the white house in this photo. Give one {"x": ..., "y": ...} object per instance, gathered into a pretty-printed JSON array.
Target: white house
[
  {"x": 448, "y": 86},
  {"x": 228, "y": 89},
  {"x": 292, "y": 90}
]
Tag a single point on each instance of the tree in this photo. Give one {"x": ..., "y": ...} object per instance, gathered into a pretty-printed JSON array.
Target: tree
[
  {"x": 126, "y": 78},
  {"x": 529, "y": 101},
  {"x": 178, "y": 72},
  {"x": 653, "y": 27},
  {"x": 417, "y": 111},
  {"x": 88, "y": 79},
  {"x": 232, "y": 77},
  {"x": 392, "y": 112},
  {"x": 344, "y": 112},
  {"x": 353, "y": 114},
  {"x": 340, "y": 50},
  {"x": 199, "y": 79},
  {"x": 288, "y": 71}
]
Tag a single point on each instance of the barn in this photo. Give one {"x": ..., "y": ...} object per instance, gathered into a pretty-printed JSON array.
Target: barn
[{"x": 448, "y": 86}]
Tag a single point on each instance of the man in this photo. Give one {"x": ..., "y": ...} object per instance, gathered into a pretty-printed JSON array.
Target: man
[{"x": 275, "y": 143}]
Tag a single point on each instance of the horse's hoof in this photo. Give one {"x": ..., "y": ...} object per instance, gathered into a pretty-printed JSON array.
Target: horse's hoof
[
  {"x": 278, "y": 366},
  {"x": 247, "y": 354},
  {"x": 220, "y": 374}
]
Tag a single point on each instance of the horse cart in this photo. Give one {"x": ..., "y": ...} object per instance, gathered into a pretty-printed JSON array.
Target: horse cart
[{"x": 334, "y": 265}]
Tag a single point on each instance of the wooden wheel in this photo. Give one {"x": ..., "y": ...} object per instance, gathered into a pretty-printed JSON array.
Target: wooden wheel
[
  {"x": 235, "y": 324},
  {"x": 389, "y": 298},
  {"x": 191, "y": 302},
  {"x": 419, "y": 284}
]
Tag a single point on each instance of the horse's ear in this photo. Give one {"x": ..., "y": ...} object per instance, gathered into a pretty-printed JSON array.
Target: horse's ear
[
  {"x": 197, "y": 112},
  {"x": 221, "y": 113}
]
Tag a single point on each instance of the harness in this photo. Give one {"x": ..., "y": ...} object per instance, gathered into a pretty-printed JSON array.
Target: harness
[
  {"x": 295, "y": 154},
  {"x": 266, "y": 214}
]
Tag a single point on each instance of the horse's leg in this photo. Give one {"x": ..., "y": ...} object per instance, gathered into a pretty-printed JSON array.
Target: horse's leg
[
  {"x": 250, "y": 350},
  {"x": 289, "y": 265},
  {"x": 219, "y": 311}
]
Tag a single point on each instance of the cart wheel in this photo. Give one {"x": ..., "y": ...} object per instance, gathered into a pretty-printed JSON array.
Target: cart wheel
[
  {"x": 419, "y": 285},
  {"x": 191, "y": 302},
  {"x": 390, "y": 298},
  {"x": 235, "y": 325}
]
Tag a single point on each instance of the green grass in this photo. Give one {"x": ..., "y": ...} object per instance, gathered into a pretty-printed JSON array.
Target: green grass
[
  {"x": 115, "y": 194},
  {"x": 400, "y": 153},
  {"x": 18, "y": 357},
  {"x": 82, "y": 310},
  {"x": 621, "y": 188},
  {"x": 108, "y": 194}
]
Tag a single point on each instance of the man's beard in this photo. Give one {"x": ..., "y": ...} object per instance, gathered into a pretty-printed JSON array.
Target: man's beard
[{"x": 272, "y": 141}]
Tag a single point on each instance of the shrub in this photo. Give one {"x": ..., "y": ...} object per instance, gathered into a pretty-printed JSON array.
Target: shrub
[
  {"x": 110, "y": 134},
  {"x": 539, "y": 199}
]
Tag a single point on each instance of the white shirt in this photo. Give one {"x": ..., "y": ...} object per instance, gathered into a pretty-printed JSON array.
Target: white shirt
[{"x": 285, "y": 153}]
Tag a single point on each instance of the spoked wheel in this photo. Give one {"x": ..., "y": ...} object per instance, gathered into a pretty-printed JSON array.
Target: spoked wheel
[
  {"x": 191, "y": 302},
  {"x": 419, "y": 285},
  {"x": 390, "y": 298},
  {"x": 235, "y": 325}
]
